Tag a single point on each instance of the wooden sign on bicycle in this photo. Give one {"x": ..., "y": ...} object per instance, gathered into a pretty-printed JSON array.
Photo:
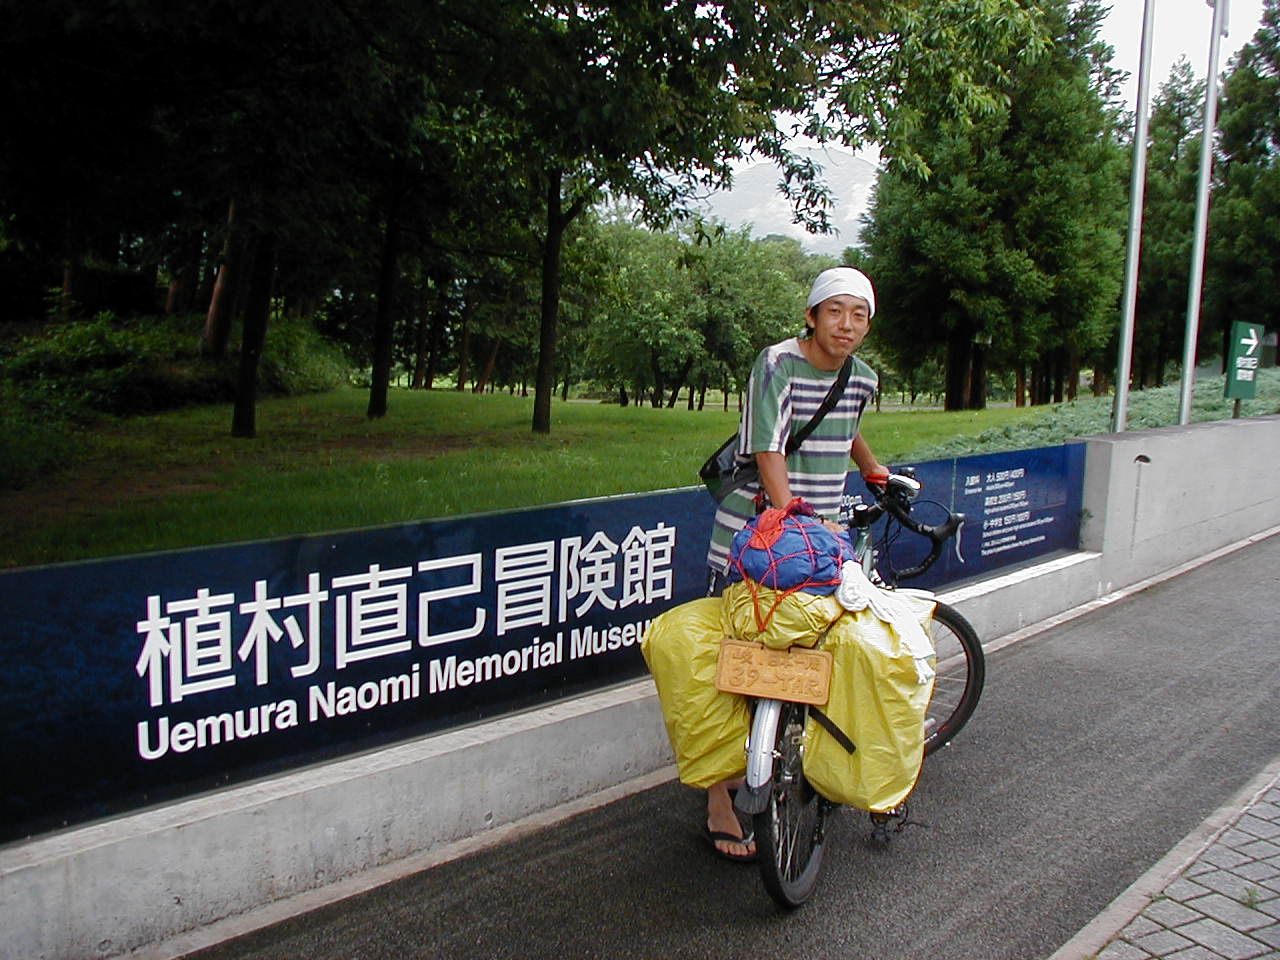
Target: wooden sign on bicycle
[{"x": 754, "y": 670}]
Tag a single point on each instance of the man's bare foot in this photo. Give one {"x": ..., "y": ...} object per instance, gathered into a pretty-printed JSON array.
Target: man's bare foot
[{"x": 722, "y": 820}]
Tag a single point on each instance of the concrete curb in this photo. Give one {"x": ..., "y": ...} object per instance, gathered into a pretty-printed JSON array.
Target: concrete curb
[
  {"x": 116, "y": 886},
  {"x": 271, "y": 913}
]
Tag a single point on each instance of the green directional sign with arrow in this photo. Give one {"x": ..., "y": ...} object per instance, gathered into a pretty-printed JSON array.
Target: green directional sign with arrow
[{"x": 1242, "y": 361}]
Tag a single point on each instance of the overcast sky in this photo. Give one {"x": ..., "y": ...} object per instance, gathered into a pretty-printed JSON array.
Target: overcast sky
[{"x": 1181, "y": 27}]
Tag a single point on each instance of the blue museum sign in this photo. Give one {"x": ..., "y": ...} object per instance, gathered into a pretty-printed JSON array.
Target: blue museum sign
[{"x": 137, "y": 680}]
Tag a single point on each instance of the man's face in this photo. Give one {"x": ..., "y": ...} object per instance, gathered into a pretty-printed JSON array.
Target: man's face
[{"x": 839, "y": 326}]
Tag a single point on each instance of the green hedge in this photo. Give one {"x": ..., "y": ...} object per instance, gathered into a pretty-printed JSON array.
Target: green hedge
[
  {"x": 55, "y": 383},
  {"x": 149, "y": 364}
]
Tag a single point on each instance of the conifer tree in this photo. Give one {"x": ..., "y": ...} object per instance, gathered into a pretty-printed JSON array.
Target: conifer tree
[
  {"x": 1008, "y": 256},
  {"x": 1243, "y": 270}
]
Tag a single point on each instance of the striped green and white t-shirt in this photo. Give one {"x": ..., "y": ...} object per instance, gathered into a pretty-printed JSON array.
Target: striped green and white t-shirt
[{"x": 783, "y": 394}]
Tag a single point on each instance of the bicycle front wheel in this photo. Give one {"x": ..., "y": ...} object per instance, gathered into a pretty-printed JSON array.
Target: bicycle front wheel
[
  {"x": 789, "y": 833},
  {"x": 961, "y": 670}
]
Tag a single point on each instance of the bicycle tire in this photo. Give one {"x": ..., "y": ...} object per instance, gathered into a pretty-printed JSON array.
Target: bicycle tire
[
  {"x": 961, "y": 673},
  {"x": 789, "y": 832}
]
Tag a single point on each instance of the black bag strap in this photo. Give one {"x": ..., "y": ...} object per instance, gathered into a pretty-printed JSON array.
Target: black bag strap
[
  {"x": 828, "y": 403},
  {"x": 829, "y": 725}
]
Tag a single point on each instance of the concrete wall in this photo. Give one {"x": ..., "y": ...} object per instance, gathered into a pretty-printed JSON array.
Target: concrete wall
[{"x": 1153, "y": 500}]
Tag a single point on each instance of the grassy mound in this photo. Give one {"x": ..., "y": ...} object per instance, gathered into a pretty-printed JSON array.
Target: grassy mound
[{"x": 56, "y": 385}]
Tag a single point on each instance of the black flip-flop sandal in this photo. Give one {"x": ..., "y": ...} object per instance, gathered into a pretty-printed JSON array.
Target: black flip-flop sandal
[{"x": 712, "y": 836}]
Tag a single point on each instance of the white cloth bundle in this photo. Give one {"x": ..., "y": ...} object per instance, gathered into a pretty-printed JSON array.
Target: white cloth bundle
[{"x": 857, "y": 592}]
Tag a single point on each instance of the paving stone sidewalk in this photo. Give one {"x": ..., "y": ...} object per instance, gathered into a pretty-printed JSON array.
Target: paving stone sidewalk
[{"x": 1225, "y": 904}]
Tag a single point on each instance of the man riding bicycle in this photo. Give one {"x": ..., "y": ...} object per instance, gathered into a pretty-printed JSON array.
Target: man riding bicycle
[{"x": 788, "y": 384}]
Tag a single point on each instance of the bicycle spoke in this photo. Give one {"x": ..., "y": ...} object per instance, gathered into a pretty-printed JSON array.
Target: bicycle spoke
[
  {"x": 960, "y": 672},
  {"x": 789, "y": 831}
]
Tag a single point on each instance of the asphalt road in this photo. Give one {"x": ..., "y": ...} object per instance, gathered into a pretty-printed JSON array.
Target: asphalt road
[{"x": 1098, "y": 745}]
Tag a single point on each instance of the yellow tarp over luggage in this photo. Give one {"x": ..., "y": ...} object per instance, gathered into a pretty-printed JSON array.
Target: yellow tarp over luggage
[
  {"x": 764, "y": 615},
  {"x": 708, "y": 729},
  {"x": 878, "y": 701}
]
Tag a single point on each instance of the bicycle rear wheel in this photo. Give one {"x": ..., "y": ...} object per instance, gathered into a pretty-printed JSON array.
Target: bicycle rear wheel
[
  {"x": 789, "y": 834},
  {"x": 961, "y": 671}
]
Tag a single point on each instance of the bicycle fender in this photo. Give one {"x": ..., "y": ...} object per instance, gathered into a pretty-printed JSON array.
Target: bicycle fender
[{"x": 753, "y": 795}]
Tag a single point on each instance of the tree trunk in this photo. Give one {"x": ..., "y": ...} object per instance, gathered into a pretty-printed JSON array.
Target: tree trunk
[
  {"x": 959, "y": 358},
  {"x": 68, "y": 280},
  {"x": 384, "y": 318},
  {"x": 1020, "y": 385},
  {"x": 226, "y": 288},
  {"x": 421, "y": 335},
  {"x": 464, "y": 351},
  {"x": 659, "y": 383},
  {"x": 203, "y": 296},
  {"x": 186, "y": 277},
  {"x": 558, "y": 219},
  {"x": 977, "y": 397},
  {"x": 435, "y": 330},
  {"x": 488, "y": 368},
  {"x": 257, "y": 310},
  {"x": 681, "y": 379},
  {"x": 545, "y": 378},
  {"x": 421, "y": 341}
]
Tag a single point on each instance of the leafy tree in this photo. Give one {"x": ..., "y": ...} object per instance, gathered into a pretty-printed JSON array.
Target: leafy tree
[
  {"x": 654, "y": 100},
  {"x": 1244, "y": 267},
  {"x": 1168, "y": 218},
  {"x": 749, "y": 291},
  {"x": 644, "y": 329},
  {"x": 1006, "y": 257},
  {"x": 184, "y": 113},
  {"x": 690, "y": 309},
  {"x": 359, "y": 145}
]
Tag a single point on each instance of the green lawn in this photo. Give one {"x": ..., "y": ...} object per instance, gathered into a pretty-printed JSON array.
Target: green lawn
[{"x": 179, "y": 479}]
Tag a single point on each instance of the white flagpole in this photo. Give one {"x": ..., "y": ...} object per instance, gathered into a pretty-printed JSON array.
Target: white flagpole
[
  {"x": 1202, "y": 214},
  {"x": 1137, "y": 190}
]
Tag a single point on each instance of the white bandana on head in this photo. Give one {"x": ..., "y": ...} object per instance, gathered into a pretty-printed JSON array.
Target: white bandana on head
[{"x": 842, "y": 280}]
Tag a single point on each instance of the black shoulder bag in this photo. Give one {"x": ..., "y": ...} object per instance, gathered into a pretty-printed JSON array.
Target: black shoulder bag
[{"x": 722, "y": 473}]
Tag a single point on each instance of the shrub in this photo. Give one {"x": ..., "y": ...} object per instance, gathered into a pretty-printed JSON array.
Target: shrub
[
  {"x": 1153, "y": 407},
  {"x": 31, "y": 445},
  {"x": 297, "y": 359},
  {"x": 149, "y": 364}
]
